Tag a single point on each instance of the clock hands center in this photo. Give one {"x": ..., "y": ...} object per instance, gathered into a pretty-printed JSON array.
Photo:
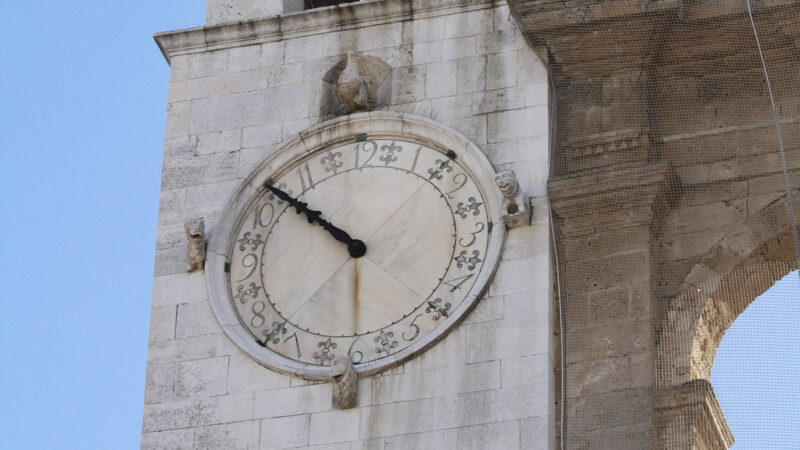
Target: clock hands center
[{"x": 356, "y": 247}]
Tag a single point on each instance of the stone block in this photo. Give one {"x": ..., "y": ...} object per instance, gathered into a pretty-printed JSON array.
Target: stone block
[
  {"x": 238, "y": 435},
  {"x": 213, "y": 194},
  {"x": 525, "y": 370},
  {"x": 311, "y": 47},
  {"x": 435, "y": 440},
  {"x": 201, "y": 378},
  {"x": 408, "y": 84},
  {"x": 521, "y": 275},
  {"x": 614, "y": 340},
  {"x": 180, "y": 147},
  {"x": 196, "y": 319},
  {"x": 505, "y": 435},
  {"x": 171, "y": 201},
  {"x": 172, "y": 440},
  {"x": 518, "y": 124},
  {"x": 334, "y": 426},
  {"x": 241, "y": 59},
  {"x": 471, "y": 74},
  {"x": 383, "y": 420},
  {"x": 525, "y": 242},
  {"x": 219, "y": 142},
  {"x": 449, "y": 352},
  {"x": 473, "y": 128},
  {"x": 179, "y": 67},
  {"x": 245, "y": 375},
  {"x": 200, "y": 170},
  {"x": 160, "y": 352},
  {"x": 536, "y": 432},
  {"x": 608, "y": 305},
  {"x": 162, "y": 322},
  {"x": 468, "y": 24},
  {"x": 537, "y": 94},
  {"x": 501, "y": 41},
  {"x": 501, "y": 70},
  {"x": 531, "y": 69},
  {"x": 293, "y": 401},
  {"x": 458, "y": 48},
  {"x": 178, "y": 120},
  {"x": 284, "y": 432},
  {"x": 498, "y": 100},
  {"x": 262, "y": 135},
  {"x": 284, "y": 75},
  {"x": 208, "y": 64},
  {"x": 170, "y": 260},
  {"x": 626, "y": 406},
  {"x": 503, "y": 20},
  {"x": 248, "y": 109},
  {"x": 179, "y": 288},
  {"x": 197, "y": 412},
  {"x": 272, "y": 53},
  {"x": 610, "y": 374},
  {"x": 435, "y": 383},
  {"x": 476, "y": 408},
  {"x": 250, "y": 158},
  {"x": 439, "y": 78},
  {"x": 488, "y": 341},
  {"x": 426, "y": 52},
  {"x": 215, "y": 86},
  {"x": 160, "y": 383},
  {"x": 487, "y": 309},
  {"x": 424, "y": 30},
  {"x": 526, "y": 305}
]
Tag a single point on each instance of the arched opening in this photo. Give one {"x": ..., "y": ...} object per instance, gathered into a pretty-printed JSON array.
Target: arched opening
[{"x": 756, "y": 366}]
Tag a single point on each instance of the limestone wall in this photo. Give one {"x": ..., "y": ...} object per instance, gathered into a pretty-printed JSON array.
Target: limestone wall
[{"x": 237, "y": 92}]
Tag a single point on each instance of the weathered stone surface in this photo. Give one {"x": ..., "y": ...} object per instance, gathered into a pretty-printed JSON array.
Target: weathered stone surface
[{"x": 241, "y": 89}]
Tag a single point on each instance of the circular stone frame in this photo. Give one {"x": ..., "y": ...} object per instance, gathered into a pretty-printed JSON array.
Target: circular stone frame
[{"x": 377, "y": 125}]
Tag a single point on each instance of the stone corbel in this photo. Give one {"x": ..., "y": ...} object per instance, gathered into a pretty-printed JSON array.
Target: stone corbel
[
  {"x": 516, "y": 205},
  {"x": 195, "y": 243},
  {"x": 345, "y": 382}
]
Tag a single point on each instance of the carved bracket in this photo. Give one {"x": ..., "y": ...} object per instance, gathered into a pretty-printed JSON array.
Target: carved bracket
[
  {"x": 516, "y": 205},
  {"x": 345, "y": 382},
  {"x": 196, "y": 243}
]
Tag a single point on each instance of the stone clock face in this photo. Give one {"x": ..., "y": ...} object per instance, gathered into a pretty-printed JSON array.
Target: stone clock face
[
  {"x": 295, "y": 298},
  {"x": 423, "y": 220}
]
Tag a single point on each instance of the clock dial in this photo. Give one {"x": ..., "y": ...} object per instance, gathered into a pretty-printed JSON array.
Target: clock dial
[{"x": 298, "y": 291}]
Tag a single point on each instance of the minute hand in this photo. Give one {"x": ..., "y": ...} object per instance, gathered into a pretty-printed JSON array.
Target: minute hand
[{"x": 355, "y": 247}]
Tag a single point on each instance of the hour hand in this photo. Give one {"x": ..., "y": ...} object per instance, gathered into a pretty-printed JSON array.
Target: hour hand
[{"x": 355, "y": 247}]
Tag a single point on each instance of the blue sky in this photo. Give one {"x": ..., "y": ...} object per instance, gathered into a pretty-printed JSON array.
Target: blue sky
[{"x": 83, "y": 89}]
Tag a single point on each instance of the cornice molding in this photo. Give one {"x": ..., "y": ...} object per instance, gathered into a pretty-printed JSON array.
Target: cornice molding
[{"x": 307, "y": 23}]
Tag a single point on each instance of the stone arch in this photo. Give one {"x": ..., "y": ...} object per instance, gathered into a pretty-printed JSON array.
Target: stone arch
[{"x": 758, "y": 252}]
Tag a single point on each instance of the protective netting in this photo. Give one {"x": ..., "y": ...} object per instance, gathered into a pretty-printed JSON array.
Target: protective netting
[{"x": 673, "y": 192}]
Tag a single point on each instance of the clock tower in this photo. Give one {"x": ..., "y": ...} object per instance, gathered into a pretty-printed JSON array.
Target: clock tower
[{"x": 354, "y": 245}]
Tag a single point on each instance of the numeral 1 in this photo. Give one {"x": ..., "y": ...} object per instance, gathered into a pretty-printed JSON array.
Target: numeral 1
[{"x": 416, "y": 157}]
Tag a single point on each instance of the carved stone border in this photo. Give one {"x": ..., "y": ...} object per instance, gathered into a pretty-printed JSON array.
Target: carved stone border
[{"x": 376, "y": 125}]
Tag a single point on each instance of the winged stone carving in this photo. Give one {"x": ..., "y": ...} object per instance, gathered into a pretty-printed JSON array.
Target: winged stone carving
[{"x": 358, "y": 81}]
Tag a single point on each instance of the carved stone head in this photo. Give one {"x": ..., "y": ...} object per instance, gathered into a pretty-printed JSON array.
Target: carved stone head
[{"x": 507, "y": 182}]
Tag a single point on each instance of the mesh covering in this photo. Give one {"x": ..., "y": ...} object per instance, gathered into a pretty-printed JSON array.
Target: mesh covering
[{"x": 674, "y": 189}]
